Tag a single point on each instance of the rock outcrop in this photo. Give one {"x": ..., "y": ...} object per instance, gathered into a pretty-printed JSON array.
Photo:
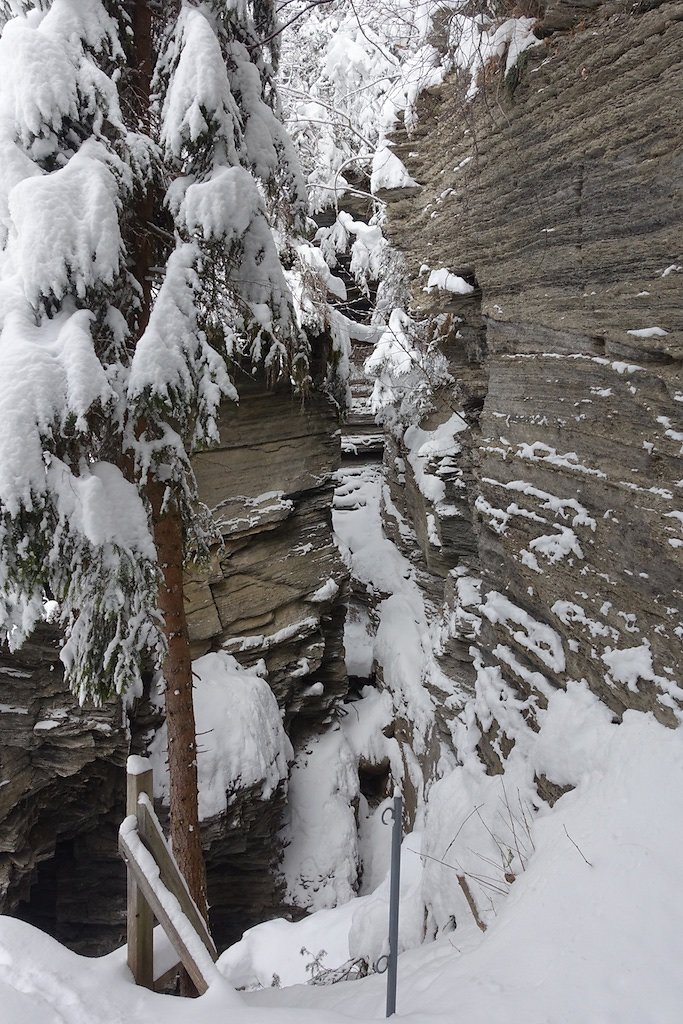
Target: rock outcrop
[
  {"x": 62, "y": 789},
  {"x": 544, "y": 527},
  {"x": 274, "y": 592},
  {"x": 276, "y": 589},
  {"x": 555, "y": 194}
]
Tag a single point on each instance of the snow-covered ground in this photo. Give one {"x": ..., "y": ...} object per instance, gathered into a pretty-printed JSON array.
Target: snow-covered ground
[
  {"x": 587, "y": 935},
  {"x": 576, "y": 906},
  {"x": 588, "y": 930},
  {"x": 581, "y": 902}
]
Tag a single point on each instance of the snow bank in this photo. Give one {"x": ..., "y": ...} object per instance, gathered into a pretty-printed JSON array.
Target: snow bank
[
  {"x": 587, "y": 932},
  {"x": 589, "y": 922},
  {"x": 331, "y": 831},
  {"x": 320, "y": 863},
  {"x": 241, "y": 741},
  {"x": 402, "y": 640},
  {"x": 587, "y": 928},
  {"x": 280, "y": 951}
]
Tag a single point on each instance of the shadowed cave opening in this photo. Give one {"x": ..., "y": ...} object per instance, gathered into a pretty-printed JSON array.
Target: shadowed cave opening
[{"x": 78, "y": 895}]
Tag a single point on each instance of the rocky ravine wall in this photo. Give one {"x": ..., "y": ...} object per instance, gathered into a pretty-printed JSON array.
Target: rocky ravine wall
[
  {"x": 557, "y": 193},
  {"x": 270, "y": 486},
  {"x": 266, "y": 596},
  {"x": 62, "y": 790}
]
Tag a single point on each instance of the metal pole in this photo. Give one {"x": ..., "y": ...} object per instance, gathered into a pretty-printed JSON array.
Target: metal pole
[{"x": 394, "y": 891}]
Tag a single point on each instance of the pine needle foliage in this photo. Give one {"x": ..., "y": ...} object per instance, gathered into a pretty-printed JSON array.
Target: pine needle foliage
[{"x": 110, "y": 376}]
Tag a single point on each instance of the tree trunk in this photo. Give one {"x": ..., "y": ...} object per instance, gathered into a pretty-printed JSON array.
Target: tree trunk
[
  {"x": 167, "y": 529},
  {"x": 180, "y": 722}
]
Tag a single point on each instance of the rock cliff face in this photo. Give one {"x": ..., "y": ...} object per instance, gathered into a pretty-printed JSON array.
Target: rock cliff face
[
  {"x": 539, "y": 502},
  {"x": 555, "y": 193},
  {"x": 62, "y": 788},
  {"x": 275, "y": 592}
]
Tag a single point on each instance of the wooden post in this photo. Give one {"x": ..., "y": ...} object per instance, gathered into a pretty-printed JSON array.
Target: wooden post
[
  {"x": 194, "y": 956},
  {"x": 140, "y": 917},
  {"x": 154, "y": 840}
]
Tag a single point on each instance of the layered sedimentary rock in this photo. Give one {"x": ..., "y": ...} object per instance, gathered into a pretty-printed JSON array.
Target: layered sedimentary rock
[
  {"x": 62, "y": 786},
  {"x": 555, "y": 194},
  {"x": 274, "y": 593},
  {"x": 545, "y": 526}
]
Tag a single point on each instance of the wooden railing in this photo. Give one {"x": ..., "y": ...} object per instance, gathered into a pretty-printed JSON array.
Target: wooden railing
[{"x": 156, "y": 889}]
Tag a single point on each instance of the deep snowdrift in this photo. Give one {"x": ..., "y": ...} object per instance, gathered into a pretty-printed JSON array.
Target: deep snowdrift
[{"x": 573, "y": 942}]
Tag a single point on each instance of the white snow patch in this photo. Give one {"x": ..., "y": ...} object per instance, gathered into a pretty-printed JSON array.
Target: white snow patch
[
  {"x": 427, "y": 445},
  {"x": 241, "y": 741},
  {"x": 445, "y": 281},
  {"x": 537, "y": 637},
  {"x": 389, "y": 172},
  {"x": 326, "y": 592},
  {"x": 136, "y": 765},
  {"x": 648, "y": 332},
  {"x": 320, "y": 863}
]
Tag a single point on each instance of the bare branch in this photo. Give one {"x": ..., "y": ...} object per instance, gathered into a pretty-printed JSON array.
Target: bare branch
[
  {"x": 577, "y": 846},
  {"x": 295, "y": 17}
]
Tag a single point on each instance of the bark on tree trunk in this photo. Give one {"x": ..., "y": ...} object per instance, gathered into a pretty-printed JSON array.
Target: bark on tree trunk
[
  {"x": 167, "y": 529},
  {"x": 180, "y": 721}
]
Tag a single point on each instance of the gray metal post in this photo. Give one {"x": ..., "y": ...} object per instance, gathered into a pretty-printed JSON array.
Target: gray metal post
[{"x": 394, "y": 892}]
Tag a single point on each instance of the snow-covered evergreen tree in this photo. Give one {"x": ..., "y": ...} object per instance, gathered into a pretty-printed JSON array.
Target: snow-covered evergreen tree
[
  {"x": 73, "y": 527},
  {"x": 350, "y": 76},
  {"x": 147, "y": 189},
  {"x": 348, "y": 71}
]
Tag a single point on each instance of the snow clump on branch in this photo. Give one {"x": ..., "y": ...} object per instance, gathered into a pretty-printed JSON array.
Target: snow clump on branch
[{"x": 141, "y": 254}]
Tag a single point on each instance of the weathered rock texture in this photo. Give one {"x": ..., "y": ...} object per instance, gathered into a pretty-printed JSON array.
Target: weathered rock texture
[
  {"x": 557, "y": 192},
  {"x": 62, "y": 786},
  {"x": 275, "y": 591},
  {"x": 269, "y": 485}
]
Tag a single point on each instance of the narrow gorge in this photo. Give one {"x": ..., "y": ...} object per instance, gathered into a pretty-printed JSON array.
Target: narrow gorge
[{"x": 417, "y": 597}]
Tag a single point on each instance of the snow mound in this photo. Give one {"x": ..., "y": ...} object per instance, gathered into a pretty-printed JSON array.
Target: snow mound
[
  {"x": 241, "y": 740},
  {"x": 587, "y": 930},
  {"x": 389, "y": 172}
]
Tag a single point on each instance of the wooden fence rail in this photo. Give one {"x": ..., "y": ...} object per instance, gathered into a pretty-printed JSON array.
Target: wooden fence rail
[{"x": 156, "y": 889}]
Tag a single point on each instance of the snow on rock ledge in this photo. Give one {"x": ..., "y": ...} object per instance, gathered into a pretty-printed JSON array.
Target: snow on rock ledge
[
  {"x": 566, "y": 364},
  {"x": 241, "y": 741},
  {"x": 388, "y": 172}
]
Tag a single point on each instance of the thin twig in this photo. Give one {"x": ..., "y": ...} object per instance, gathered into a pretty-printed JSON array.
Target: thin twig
[
  {"x": 577, "y": 846},
  {"x": 281, "y": 28},
  {"x": 473, "y": 811}
]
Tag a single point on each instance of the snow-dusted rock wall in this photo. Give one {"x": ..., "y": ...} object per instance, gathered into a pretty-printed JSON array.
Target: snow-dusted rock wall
[
  {"x": 275, "y": 592},
  {"x": 555, "y": 192},
  {"x": 273, "y": 597}
]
